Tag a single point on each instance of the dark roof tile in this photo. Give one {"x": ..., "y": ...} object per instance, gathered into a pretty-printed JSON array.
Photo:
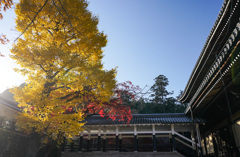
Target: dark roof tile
[{"x": 164, "y": 118}]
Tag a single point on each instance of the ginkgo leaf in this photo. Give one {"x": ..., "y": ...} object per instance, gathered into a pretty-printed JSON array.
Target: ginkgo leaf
[{"x": 60, "y": 52}]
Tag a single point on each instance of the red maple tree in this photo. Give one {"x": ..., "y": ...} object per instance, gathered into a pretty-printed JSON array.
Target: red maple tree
[
  {"x": 118, "y": 108},
  {"x": 4, "y": 5}
]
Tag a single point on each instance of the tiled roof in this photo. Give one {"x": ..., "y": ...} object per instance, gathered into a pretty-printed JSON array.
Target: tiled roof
[
  {"x": 214, "y": 45},
  {"x": 164, "y": 118}
]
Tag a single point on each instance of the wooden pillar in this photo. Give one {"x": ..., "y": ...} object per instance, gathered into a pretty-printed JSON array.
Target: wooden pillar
[
  {"x": 135, "y": 143},
  {"x": 173, "y": 139},
  {"x": 170, "y": 142},
  {"x": 99, "y": 139},
  {"x": 63, "y": 144},
  {"x": 72, "y": 146},
  {"x": 117, "y": 140},
  {"x": 120, "y": 143},
  {"x": 117, "y": 143},
  {"x": 104, "y": 143},
  {"x": 154, "y": 139},
  {"x": 135, "y": 139},
  {"x": 205, "y": 145},
  {"x": 215, "y": 145},
  {"x": 194, "y": 143},
  {"x": 199, "y": 140},
  {"x": 80, "y": 143},
  {"x": 99, "y": 142},
  {"x": 89, "y": 142},
  {"x": 193, "y": 134},
  {"x": 174, "y": 143},
  {"x": 154, "y": 144}
]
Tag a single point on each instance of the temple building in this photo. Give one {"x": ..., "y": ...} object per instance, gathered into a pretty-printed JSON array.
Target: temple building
[
  {"x": 169, "y": 132},
  {"x": 210, "y": 125},
  {"x": 213, "y": 89},
  {"x": 8, "y": 110}
]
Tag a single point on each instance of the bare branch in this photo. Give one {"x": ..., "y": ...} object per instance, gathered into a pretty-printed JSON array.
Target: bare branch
[
  {"x": 42, "y": 67},
  {"x": 69, "y": 20},
  {"x": 31, "y": 21}
]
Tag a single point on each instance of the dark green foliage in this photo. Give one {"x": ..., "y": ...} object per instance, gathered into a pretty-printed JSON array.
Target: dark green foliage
[
  {"x": 171, "y": 106},
  {"x": 159, "y": 101},
  {"x": 158, "y": 89}
]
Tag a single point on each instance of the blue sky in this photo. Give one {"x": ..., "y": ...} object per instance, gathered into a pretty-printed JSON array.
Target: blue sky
[{"x": 146, "y": 38}]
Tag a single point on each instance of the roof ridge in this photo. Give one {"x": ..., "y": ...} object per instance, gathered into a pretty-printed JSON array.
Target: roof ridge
[{"x": 148, "y": 114}]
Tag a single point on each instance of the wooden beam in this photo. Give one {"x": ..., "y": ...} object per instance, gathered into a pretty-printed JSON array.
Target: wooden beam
[
  {"x": 185, "y": 138},
  {"x": 188, "y": 145}
]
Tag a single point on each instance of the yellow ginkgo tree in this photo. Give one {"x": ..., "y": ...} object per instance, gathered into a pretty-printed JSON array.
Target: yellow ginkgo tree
[{"x": 60, "y": 52}]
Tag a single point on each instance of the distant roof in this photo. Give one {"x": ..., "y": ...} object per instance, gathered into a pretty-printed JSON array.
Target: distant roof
[
  {"x": 162, "y": 118},
  {"x": 8, "y": 104},
  {"x": 7, "y": 96}
]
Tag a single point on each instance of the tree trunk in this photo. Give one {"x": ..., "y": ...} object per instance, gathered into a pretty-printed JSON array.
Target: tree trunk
[{"x": 49, "y": 150}]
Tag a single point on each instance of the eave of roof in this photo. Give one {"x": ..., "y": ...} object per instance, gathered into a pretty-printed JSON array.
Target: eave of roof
[
  {"x": 192, "y": 80},
  {"x": 219, "y": 35},
  {"x": 214, "y": 86},
  {"x": 8, "y": 104},
  {"x": 140, "y": 119}
]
